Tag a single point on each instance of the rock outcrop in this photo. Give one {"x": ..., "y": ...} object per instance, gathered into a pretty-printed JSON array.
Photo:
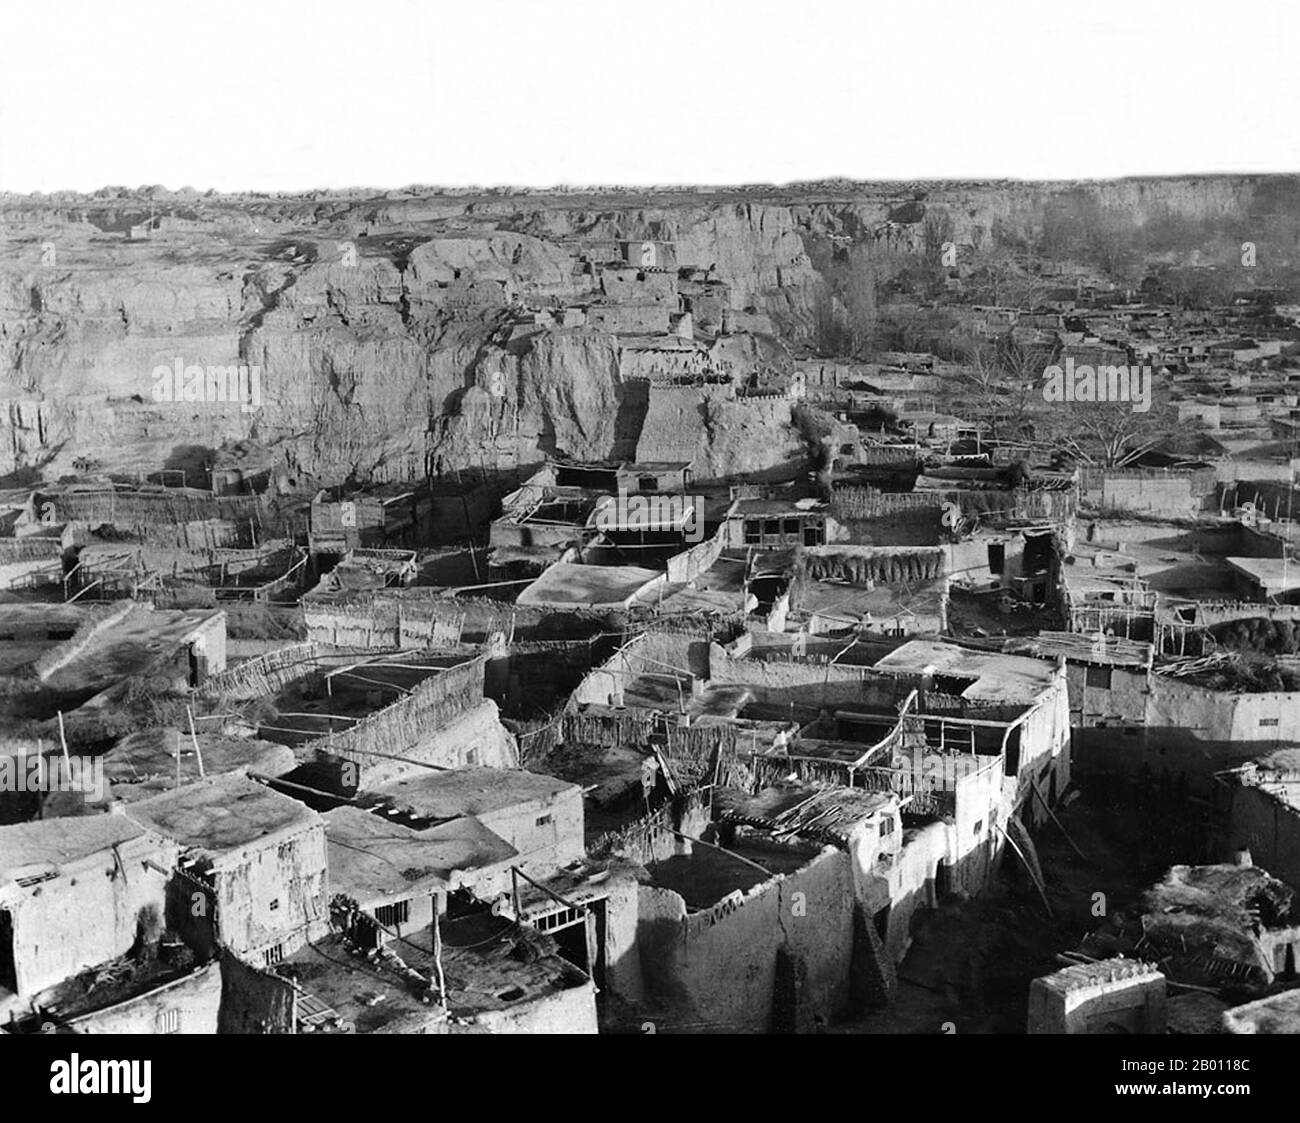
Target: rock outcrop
[{"x": 436, "y": 331}]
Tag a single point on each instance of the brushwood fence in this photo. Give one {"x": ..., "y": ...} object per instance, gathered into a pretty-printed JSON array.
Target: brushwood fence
[
  {"x": 657, "y": 836},
  {"x": 268, "y": 674}
]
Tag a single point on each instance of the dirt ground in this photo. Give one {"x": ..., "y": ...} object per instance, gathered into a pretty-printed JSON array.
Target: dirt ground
[{"x": 971, "y": 962}]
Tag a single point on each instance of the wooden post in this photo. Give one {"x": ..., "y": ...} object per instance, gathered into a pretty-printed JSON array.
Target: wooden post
[
  {"x": 437, "y": 953},
  {"x": 194, "y": 737},
  {"x": 67, "y": 762},
  {"x": 40, "y": 774}
]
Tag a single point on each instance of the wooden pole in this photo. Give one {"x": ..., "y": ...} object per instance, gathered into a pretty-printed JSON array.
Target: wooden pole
[
  {"x": 40, "y": 773},
  {"x": 67, "y": 762},
  {"x": 194, "y": 737},
  {"x": 437, "y": 954},
  {"x": 1042, "y": 892},
  {"x": 1047, "y": 807}
]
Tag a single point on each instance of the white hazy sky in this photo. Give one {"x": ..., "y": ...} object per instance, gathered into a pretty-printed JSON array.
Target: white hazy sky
[{"x": 285, "y": 95}]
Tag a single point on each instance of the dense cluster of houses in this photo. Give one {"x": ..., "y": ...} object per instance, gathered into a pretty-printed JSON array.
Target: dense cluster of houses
[{"x": 621, "y": 744}]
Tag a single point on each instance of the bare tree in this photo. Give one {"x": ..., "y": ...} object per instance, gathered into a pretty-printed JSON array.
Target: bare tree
[
  {"x": 1108, "y": 434},
  {"x": 845, "y": 306},
  {"x": 1005, "y": 375},
  {"x": 936, "y": 229}
]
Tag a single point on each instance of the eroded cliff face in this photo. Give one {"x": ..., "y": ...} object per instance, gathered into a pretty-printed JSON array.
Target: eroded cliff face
[{"x": 387, "y": 331}]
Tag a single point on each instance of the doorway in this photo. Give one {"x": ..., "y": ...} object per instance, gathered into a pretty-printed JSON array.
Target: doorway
[
  {"x": 8, "y": 969},
  {"x": 942, "y": 882}
]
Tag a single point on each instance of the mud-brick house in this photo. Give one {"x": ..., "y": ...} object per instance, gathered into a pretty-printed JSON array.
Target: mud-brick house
[
  {"x": 397, "y": 879},
  {"x": 891, "y": 860},
  {"x": 1204, "y": 721},
  {"x": 187, "y": 1003},
  {"x": 387, "y": 515},
  {"x": 1109, "y": 683},
  {"x": 1109, "y": 996},
  {"x": 1271, "y": 580},
  {"x": 775, "y": 524},
  {"x": 653, "y": 476},
  {"x": 253, "y": 866},
  {"x": 494, "y": 987},
  {"x": 539, "y": 816},
  {"x": 1262, "y": 801},
  {"x": 756, "y": 938},
  {"x": 886, "y": 590},
  {"x": 1013, "y": 708},
  {"x": 75, "y": 893}
]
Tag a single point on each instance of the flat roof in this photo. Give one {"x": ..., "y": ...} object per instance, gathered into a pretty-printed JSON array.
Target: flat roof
[
  {"x": 655, "y": 466},
  {"x": 372, "y": 995},
  {"x": 471, "y": 791},
  {"x": 18, "y": 617},
  {"x": 821, "y": 748},
  {"x": 567, "y": 584},
  {"x": 650, "y": 511},
  {"x": 855, "y": 602},
  {"x": 1270, "y": 574},
  {"x": 1018, "y": 679},
  {"x": 49, "y": 844},
  {"x": 222, "y": 814},
  {"x": 137, "y": 637},
  {"x": 373, "y": 859},
  {"x": 1081, "y": 647},
  {"x": 148, "y": 757},
  {"x": 765, "y": 507}
]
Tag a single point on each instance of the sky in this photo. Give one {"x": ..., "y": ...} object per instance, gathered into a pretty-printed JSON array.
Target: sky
[{"x": 278, "y": 95}]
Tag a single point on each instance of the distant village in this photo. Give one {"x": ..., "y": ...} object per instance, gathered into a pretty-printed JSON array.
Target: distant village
[{"x": 556, "y": 745}]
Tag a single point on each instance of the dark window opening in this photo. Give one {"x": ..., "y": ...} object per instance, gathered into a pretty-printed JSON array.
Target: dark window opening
[
  {"x": 997, "y": 557},
  {"x": 952, "y": 684},
  {"x": 8, "y": 969},
  {"x": 767, "y": 590},
  {"x": 390, "y": 916},
  {"x": 462, "y": 903},
  {"x": 571, "y": 943},
  {"x": 1012, "y": 767},
  {"x": 1038, "y": 552},
  {"x": 942, "y": 880},
  {"x": 648, "y": 483},
  {"x": 1098, "y": 678}
]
